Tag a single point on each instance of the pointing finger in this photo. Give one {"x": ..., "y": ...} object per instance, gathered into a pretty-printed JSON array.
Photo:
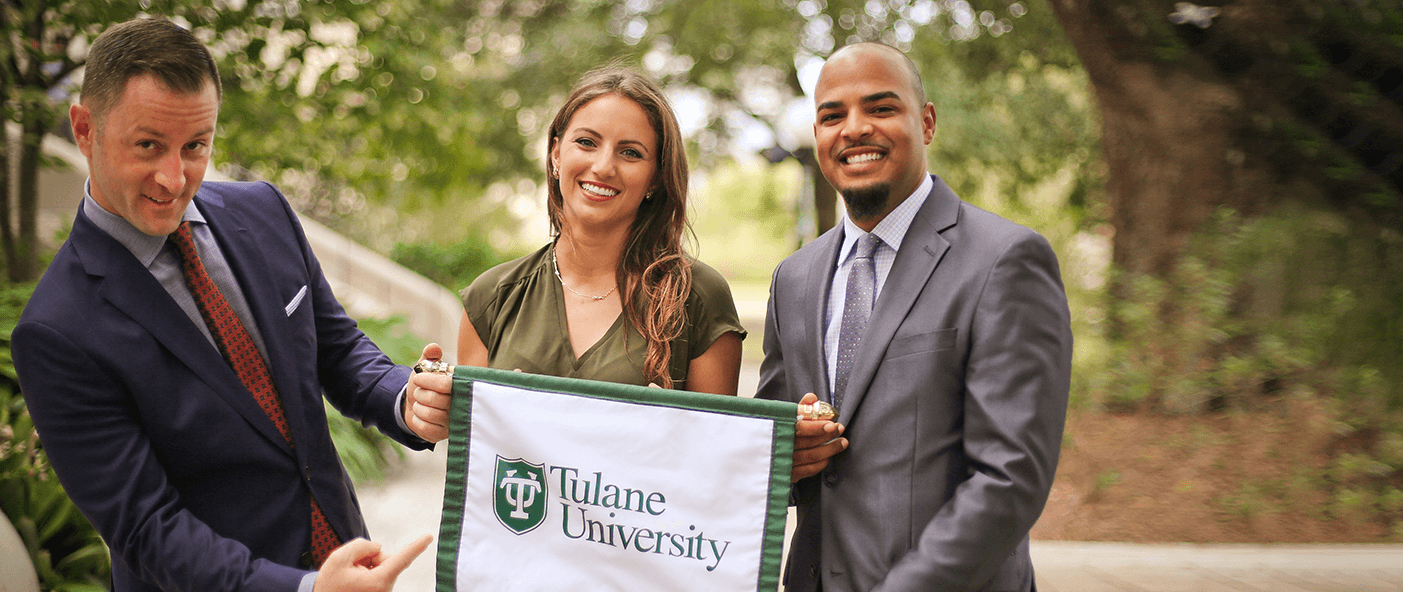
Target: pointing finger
[{"x": 395, "y": 563}]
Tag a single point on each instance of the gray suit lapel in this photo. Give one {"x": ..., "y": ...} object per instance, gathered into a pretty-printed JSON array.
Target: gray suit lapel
[
  {"x": 820, "y": 276},
  {"x": 921, "y": 250}
]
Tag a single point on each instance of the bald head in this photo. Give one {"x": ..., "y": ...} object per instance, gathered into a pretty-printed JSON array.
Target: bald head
[{"x": 912, "y": 72}]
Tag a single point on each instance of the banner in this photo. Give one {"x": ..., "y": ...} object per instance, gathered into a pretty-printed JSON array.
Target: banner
[{"x": 566, "y": 484}]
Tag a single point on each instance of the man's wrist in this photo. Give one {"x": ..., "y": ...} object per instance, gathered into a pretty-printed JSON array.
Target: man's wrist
[{"x": 401, "y": 403}]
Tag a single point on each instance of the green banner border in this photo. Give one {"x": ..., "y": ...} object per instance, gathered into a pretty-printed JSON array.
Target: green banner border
[{"x": 460, "y": 430}]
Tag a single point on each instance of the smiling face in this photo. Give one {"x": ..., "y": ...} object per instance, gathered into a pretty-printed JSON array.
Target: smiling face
[
  {"x": 606, "y": 159},
  {"x": 147, "y": 155},
  {"x": 871, "y": 130}
]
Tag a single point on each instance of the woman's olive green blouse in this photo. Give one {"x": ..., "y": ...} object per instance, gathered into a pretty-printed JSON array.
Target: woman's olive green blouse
[{"x": 518, "y": 309}]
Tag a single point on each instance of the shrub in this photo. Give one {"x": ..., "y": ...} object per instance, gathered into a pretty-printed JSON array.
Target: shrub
[
  {"x": 67, "y": 553},
  {"x": 452, "y": 266},
  {"x": 1297, "y": 304}
]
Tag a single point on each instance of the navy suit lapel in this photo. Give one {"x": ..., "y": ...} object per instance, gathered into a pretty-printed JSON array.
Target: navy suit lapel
[
  {"x": 133, "y": 290},
  {"x": 240, "y": 247},
  {"x": 921, "y": 251}
]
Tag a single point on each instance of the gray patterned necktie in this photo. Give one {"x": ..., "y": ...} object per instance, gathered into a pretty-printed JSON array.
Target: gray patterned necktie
[{"x": 857, "y": 306}]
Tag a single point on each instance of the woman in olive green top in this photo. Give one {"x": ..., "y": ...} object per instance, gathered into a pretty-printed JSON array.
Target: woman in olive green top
[{"x": 614, "y": 297}]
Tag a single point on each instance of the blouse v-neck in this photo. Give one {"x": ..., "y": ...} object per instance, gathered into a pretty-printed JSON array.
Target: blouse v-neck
[{"x": 578, "y": 359}]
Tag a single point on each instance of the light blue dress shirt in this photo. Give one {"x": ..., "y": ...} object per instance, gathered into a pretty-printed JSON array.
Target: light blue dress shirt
[
  {"x": 891, "y": 230},
  {"x": 164, "y": 264}
]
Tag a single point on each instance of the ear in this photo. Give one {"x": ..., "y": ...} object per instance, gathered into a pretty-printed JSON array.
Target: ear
[
  {"x": 554, "y": 164},
  {"x": 928, "y": 122},
  {"x": 84, "y": 128}
]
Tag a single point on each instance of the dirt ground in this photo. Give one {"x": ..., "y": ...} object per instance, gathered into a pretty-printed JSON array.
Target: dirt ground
[{"x": 1238, "y": 477}]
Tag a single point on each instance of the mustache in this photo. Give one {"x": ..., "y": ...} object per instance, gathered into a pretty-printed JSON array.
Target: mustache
[{"x": 847, "y": 147}]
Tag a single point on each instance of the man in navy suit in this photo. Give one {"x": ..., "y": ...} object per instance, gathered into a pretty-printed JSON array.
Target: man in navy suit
[
  {"x": 193, "y": 482},
  {"x": 941, "y": 333}
]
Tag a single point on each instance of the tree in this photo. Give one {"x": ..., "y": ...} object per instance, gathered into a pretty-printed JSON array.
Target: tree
[
  {"x": 1269, "y": 109},
  {"x": 342, "y": 100},
  {"x": 35, "y": 61},
  {"x": 1245, "y": 105}
]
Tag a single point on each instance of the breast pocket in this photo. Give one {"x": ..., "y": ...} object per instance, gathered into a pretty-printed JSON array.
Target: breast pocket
[{"x": 920, "y": 343}]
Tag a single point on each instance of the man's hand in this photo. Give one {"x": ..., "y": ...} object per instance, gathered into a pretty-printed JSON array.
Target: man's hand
[
  {"x": 359, "y": 566},
  {"x": 426, "y": 400},
  {"x": 815, "y": 441}
]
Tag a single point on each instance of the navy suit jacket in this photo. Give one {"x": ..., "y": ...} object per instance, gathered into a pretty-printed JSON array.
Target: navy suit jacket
[
  {"x": 150, "y": 430},
  {"x": 954, "y": 406}
]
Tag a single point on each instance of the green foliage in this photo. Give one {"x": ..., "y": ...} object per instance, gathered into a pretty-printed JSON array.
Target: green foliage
[
  {"x": 67, "y": 553},
  {"x": 1249, "y": 500},
  {"x": 1004, "y": 135},
  {"x": 452, "y": 266},
  {"x": 364, "y": 452},
  {"x": 1299, "y": 303},
  {"x": 744, "y": 219}
]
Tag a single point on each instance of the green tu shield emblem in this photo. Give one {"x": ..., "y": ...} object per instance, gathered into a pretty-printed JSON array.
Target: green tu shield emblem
[{"x": 519, "y": 494}]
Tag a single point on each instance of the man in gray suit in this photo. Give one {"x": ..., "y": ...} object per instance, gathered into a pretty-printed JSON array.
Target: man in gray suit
[{"x": 941, "y": 334}]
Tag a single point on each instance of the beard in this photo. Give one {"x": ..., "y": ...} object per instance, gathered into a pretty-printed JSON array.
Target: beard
[{"x": 865, "y": 203}]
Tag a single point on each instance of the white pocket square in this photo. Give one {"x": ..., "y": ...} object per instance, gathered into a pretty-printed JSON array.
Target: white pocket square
[{"x": 296, "y": 301}]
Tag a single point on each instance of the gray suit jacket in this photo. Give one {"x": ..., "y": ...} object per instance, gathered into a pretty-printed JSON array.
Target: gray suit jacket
[{"x": 954, "y": 408}]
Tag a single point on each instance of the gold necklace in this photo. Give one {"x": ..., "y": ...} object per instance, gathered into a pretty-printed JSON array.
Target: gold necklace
[{"x": 556, "y": 267}]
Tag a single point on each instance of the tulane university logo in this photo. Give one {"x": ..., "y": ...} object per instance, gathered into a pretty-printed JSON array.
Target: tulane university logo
[{"x": 519, "y": 496}]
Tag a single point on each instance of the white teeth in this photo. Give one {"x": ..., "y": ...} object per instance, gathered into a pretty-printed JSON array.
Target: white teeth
[
  {"x": 864, "y": 157},
  {"x": 592, "y": 188}
]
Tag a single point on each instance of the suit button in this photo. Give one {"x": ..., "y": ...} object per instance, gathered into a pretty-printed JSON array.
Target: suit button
[
  {"x": 830, "y": 479},
  {"x": 305, "y": 560},
  {"x": 813, "y": 570}
]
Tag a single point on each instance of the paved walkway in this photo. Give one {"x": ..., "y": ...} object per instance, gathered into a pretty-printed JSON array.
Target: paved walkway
[
  {"x": 1124, "y": 567},
  {"x": 408, "y": 503}
]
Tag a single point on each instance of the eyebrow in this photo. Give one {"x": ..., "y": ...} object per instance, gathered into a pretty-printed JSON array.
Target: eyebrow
[{"x": 872, "y": 98}]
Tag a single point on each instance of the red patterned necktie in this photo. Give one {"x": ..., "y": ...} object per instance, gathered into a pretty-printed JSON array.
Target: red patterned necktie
[{"x": 238, "y": 349}]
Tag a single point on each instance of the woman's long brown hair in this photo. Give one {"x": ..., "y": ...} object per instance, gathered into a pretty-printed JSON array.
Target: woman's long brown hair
[{"x": 655, "y": 273}]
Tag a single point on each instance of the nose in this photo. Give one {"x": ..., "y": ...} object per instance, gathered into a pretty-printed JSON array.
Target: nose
[
  {"x": 170, "y": 173},
  {"x": 603, "y": 164},
  {"x": 855, "y": 126}
]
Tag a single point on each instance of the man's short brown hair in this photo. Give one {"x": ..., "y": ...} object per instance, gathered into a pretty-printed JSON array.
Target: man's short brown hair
[{"x": 154, "y": 46}]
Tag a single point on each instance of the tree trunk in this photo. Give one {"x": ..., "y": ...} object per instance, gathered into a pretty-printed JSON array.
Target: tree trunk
[
  {"x": 1166, "y": 137},
  {"x": 24, "y": 265},
  {"x": 1244, "y": 105},
  {"x": 7, "y": 235}
]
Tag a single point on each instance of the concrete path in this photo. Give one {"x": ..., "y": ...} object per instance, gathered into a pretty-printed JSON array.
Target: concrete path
[
  {"x": 1124, "y": 567},
  {"x": 408, "y": 504}
]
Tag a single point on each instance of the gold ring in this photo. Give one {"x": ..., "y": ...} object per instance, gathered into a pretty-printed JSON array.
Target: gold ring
[
  {"x": 818, "y": 411},
  {"x": 435, "y": 366}
]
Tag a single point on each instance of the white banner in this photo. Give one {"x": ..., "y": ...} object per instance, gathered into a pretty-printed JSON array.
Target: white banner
[{"x": 561, "y": 484}]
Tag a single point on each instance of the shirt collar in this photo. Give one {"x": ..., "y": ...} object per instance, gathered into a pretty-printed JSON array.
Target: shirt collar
[
  {"x": 143, "y": 246},
  {"x": 892, "y": 229}
]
